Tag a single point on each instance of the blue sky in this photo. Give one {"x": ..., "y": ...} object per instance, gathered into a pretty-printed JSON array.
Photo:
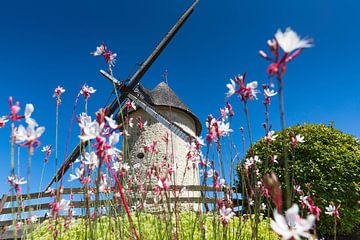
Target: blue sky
[{"x": 47, "y": 43}]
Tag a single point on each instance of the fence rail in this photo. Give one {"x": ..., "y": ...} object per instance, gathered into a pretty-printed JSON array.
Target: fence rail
[{"x": 28, "y": 200}]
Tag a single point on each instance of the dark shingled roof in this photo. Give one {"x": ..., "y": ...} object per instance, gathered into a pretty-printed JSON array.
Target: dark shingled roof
[{"x": 163, "y": 95}]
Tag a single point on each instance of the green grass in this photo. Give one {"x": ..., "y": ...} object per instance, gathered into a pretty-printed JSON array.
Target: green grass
[{"x": 150, "y": 226}]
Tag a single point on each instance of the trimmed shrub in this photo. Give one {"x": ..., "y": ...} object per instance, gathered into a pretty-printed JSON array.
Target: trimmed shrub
[{"x": 326, "y": 166}]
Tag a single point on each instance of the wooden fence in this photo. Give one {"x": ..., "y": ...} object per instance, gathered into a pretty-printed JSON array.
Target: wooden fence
[{"x": 8, "y": 209}]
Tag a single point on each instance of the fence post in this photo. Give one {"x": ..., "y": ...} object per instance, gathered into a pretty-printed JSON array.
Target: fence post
[{"x": 2, "y": 202}]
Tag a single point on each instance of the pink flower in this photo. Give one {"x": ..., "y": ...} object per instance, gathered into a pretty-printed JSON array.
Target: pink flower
[
  {"x": 152, "y": 148},
  {"x": 140, "y": 124},
  {"x": 14, "y": 110}
]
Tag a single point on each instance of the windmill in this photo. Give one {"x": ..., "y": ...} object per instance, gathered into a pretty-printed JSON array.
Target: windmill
[{"x": 129, "y": 91}]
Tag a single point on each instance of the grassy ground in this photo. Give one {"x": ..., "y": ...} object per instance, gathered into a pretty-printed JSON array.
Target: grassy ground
[{"x": 151, "y": 226}]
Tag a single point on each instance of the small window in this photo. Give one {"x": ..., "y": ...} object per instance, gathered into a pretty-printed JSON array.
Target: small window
[{"x": 140, "y": 155}]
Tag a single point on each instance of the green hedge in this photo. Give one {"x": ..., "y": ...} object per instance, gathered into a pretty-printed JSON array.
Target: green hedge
[{"x": 326, "y": 166}]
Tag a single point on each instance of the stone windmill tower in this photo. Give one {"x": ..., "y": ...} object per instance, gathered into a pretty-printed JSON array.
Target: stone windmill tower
[{"x": 166, "y": 103}]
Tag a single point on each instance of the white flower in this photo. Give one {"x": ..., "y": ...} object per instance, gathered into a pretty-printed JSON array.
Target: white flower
[
  {"x": 270, "y": 136},
  {"x": 28, "y": 135},
  {"x": 231, "y": 86},
  {"x": 222, "y": 182},
  {"x": 58, "y": 91},
  {"x": 3, "y": 120},
  {"x": 113, "y": 140},
  {"x": 99, "y": 50},
  {"x": 251, "y": 89},
  {"x": 269, "y": 93},
  {"x": 330, "y": 210},
  {"x": 299, "y": 138},
  {"x": 112, "y": 59},
  {"x": 263, "y": 206},
  {"x": 90, "y": 131},
  {"x": 226, "y": 214},
  {"x": 104, "y": 183},
  {"x": 131, "y": 123},
  {"x": 29, "y": 109},
  {"x": 92, "y": 160},
  {"x": 224, "y": 129},
  {"x": 87, "y": 91},
  {"x": 34, "y": 218},
  {"x": 293, "y": 226},
  {"x": 290, "y": 41},
  {"x": 200, "y": 141},
  {"x": 119, "y": 166},
  {"x": 78, "y": 174},
  {"x": 112, "y": 123},
  {"x": 14, "y": 180},
  {"x": 64, "y": 205},
  {"x": 249, "y": 162},
  {"x": 46, "y": 148}
]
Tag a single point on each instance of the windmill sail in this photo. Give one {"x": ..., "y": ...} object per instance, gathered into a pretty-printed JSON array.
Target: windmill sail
[{"x": 124, "y": 89}]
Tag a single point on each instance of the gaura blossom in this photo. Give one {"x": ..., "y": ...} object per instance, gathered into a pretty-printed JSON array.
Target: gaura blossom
[
  {"x": 91, "y": 130},
  {"x": 86, "y": 91},
  {"x": 47, "y": 150},
  {"x": 118, "y": 166},
  {"x": 332, "y": 210},
  {"x": 57, "y": 94},
  {"x": 29, "y": 109},
  {"x": 292, "y": 46},
  {"x": 270, "y": 136},
  {"x": 3, "y": 120},
  {"x": 79, "y": 172},
  {"x": 269, "y": 92},
  {"x": 296, "y": 139},
  {"x": 290, "y": 41},
  {"x": 29, "y": 136},
  {"x": 225, "y": 215},
  {"x": 108, "y": 55},
  {"x": 92, "y": 160},
  {"x": 224, "y": 129},
  {"x": 112, "y": 123},
  {"x": 15, "y": 182},
  {"x": 292, "y": 226},
  {"x": 130, "y": 105},
  {"x": 246, "y": 92},
  {"x": 62, "y": 205}
]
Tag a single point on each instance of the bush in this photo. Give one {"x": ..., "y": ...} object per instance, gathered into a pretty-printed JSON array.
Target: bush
[{"x": 326, "y": 166}]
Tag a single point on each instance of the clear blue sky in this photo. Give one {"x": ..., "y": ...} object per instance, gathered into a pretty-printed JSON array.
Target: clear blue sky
[{"x": 47, "y": 43}]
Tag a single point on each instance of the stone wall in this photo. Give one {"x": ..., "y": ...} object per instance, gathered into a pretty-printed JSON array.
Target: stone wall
[{"x": 176, "y": 148}]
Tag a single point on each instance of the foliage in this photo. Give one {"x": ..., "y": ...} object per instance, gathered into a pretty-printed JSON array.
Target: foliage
[
  {"x": 151, "y": 226},
  {"x": 326, "y": 166}
]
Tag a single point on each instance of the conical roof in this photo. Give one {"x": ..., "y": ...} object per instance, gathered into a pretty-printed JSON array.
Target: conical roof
[{"x": 163, "y": 95}]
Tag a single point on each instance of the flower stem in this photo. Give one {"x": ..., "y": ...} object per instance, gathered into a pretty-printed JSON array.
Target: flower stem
[{"x": 285, "y": 151}]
